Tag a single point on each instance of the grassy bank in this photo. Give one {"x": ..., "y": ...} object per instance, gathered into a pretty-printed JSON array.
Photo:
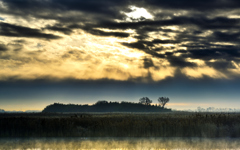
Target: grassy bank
[{"x": 121, "y": 125}]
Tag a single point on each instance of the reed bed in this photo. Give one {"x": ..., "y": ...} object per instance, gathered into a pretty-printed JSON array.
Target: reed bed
[{"x": 175, "y": 124}]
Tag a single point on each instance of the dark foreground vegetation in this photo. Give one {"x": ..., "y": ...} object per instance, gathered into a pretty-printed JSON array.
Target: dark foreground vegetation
[
  {"x": 172, "y": 124},
  {"x": 105, "y": 106}
]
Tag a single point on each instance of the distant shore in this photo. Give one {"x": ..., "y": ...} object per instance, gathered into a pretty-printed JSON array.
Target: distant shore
[
  {"x": 104, "y": 106},
  {"x": 173, "y": 124}
]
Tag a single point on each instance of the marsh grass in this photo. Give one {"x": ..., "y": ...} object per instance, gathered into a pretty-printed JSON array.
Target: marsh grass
[{"x": 121, "y": 125}]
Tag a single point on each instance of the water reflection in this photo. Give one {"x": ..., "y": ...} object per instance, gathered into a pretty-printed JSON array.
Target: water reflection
[{"x": 119, "y": 143}]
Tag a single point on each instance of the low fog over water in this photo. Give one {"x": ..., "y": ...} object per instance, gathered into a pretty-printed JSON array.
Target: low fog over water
[{"x": 120, "y": 143}]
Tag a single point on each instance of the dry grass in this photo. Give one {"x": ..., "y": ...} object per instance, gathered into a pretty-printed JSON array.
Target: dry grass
[{"x": 173, "y": 124}]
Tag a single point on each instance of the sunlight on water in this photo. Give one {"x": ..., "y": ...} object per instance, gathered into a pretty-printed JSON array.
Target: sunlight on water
[{"x": 119, "y": 144}]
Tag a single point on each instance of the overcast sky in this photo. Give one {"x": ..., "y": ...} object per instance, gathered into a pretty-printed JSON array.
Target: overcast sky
[{"x": 78, "y": 51}]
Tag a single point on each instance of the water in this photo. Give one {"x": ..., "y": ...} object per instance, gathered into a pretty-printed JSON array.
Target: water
[{"x": 119, "y": 144}]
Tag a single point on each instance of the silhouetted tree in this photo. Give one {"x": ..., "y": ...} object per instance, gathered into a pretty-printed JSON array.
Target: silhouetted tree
[
  {"x": 104, "y": 106},
  {"x": 145, "y": 101},
  {"x": 163, "y": 101}
]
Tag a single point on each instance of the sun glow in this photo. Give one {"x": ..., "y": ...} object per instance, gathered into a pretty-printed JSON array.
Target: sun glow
[
  {"x": 199, "y": 72},
  {"x": 138, "y": 14}
]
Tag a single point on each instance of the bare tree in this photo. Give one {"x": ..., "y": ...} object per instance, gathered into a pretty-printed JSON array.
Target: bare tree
[
  {"x": 145, "y": 101},
  {"x": 163, "y": 101}
]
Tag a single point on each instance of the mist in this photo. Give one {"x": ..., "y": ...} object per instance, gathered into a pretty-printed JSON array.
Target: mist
[{"x": 119, "y": 143}]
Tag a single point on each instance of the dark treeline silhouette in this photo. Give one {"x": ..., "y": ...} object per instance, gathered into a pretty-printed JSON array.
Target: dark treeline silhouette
[{"x": 105, "y": 106}]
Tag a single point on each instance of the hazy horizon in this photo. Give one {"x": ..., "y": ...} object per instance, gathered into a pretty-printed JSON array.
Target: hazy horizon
[{"x": 80, "y": 52}]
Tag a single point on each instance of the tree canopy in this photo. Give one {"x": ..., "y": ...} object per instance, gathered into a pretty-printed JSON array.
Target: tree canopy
[
  {"x": 163, "y": 101},
  {"x": 145, "y": 101},
  {"x": 105, "y": 106}
]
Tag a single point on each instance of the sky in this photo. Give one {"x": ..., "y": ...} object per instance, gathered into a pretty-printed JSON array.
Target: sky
[{"x": 78, "y": 51}]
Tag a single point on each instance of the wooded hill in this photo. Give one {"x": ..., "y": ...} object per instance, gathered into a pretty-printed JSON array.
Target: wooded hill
[{"x": 104, "y": 106}]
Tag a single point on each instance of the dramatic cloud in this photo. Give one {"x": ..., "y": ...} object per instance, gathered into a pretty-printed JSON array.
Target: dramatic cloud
[
  {"x": 3, "y": 47},
  {"x": 146, "y": 40},
  {"x": 19, "y": 31}
]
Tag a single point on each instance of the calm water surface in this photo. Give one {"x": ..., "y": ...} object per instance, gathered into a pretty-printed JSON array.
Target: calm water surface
[{"x": 119, "y": 143}]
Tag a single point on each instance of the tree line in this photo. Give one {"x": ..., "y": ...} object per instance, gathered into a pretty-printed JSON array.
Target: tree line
[
  {"x": 162, "y": 101},
  {"x": 104, "y": 106}
]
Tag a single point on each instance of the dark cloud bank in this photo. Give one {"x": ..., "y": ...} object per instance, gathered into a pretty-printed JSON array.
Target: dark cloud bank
[{"x": 19, "y": 31}]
